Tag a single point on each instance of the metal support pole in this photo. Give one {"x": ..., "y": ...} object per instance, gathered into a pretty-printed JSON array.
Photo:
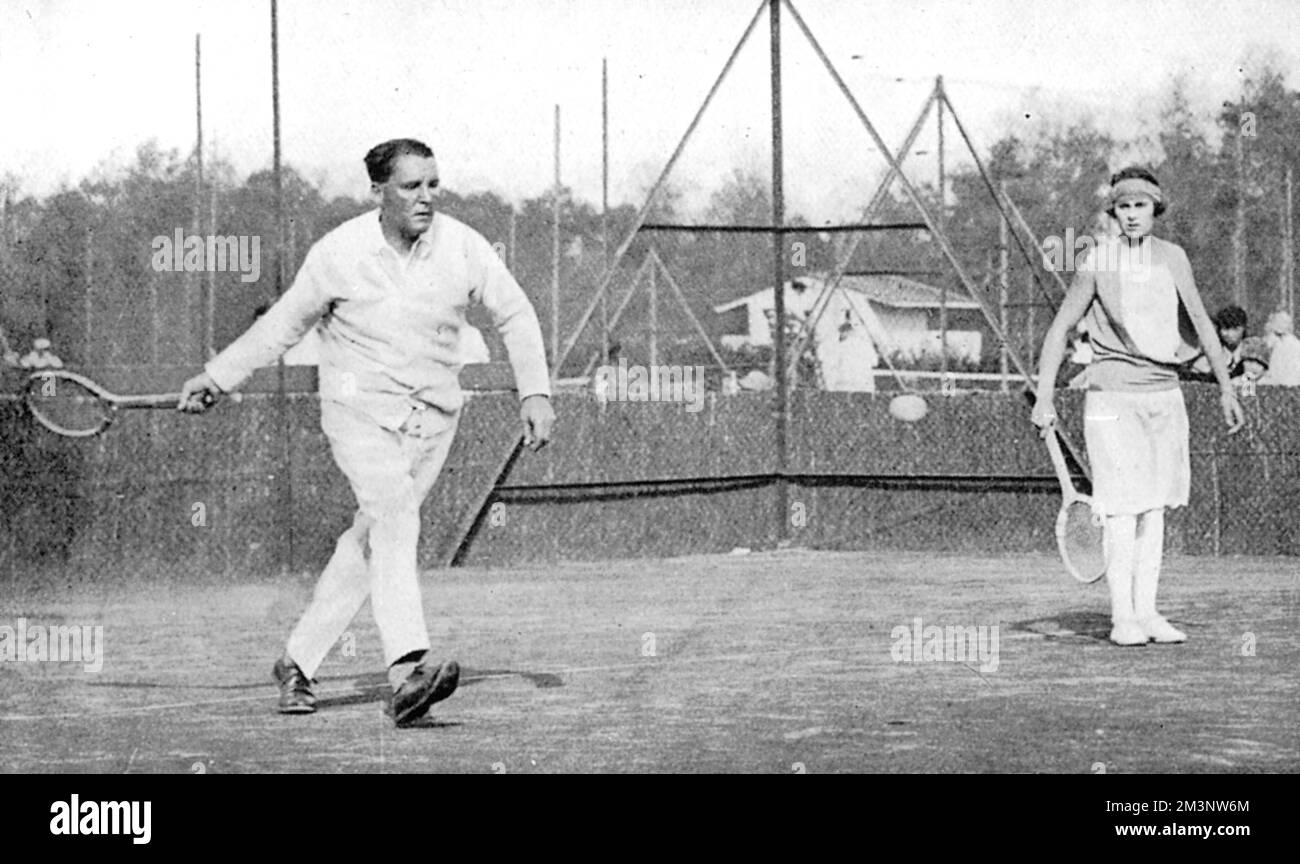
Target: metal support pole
[
  {"x": 604, "y": 202},
  {"x": 910, "y": 190},
  {"x": 86, "y": 356},
  {"x": 275, "y": 157},
  {"x": 1288, "y": 247},
  {"x": 209, "y": 338},
  {"x": 941, "y": 218},
  {"x": 845, "y": 254},
  {"x": 1003, "y": 291},
  {"x": 204, "y": 282},
  {"x": 653, "y": 195},
  {"x": 511, "y": 253},
  {"x": 555, "y": 254},
  {"x": 285, "y": 479},
  {"x": 653, "y": 288},
  {"x": 1031, "y": 322},
  {"x": 778, "y": 275},
  {"x": 1239, "y": 227}
]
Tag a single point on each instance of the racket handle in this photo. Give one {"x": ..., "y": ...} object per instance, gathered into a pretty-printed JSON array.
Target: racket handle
[
  {"x": 1058, "y": 461},
  {"x": 153, "y": 400}
]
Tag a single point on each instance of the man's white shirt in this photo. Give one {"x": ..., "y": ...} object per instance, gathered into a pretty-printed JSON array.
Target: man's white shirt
[{"x": 390, "y": 325}]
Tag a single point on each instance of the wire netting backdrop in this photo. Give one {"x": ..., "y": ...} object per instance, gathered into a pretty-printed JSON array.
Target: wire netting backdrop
[
  {"x": 104, "y": 267},
  {"x": 172, "y": 495}
]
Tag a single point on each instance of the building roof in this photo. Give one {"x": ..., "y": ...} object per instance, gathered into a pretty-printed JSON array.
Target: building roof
[
  {"x": 903, "y": 293},
  {"x": 898, "y": 292}
]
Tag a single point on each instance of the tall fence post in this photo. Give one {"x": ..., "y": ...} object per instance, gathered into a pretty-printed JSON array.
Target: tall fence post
[{"x": 778, "y": 276}]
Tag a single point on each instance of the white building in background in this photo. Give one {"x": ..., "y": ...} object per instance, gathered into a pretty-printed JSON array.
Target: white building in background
[{"x": 868, "y": 317}]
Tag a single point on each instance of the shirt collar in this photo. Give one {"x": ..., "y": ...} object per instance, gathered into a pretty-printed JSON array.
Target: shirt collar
[{"x": 422, "y": 248}]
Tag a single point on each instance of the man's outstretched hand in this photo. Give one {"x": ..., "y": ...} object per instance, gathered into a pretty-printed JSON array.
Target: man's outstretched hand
[
  {"x": 198, "y": 394},
  {"x": 539, "y": 420}
]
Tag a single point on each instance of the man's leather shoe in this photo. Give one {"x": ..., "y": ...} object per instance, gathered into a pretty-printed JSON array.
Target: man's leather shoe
[
  {"x": 295, "y": 689},
  {"x": 427, "y": 684}
]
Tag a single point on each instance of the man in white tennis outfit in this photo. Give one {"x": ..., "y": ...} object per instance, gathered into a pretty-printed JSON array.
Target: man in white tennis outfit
[{"x": 390, "y": 289}]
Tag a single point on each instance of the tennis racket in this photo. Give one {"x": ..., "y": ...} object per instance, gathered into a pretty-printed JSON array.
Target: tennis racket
[
  {"x": 72, "y": 405},
  {"x": 1080, "y": 535}
]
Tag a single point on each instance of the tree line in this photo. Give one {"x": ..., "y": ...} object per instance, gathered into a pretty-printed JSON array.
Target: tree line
[{"x": 76, "y": 265}]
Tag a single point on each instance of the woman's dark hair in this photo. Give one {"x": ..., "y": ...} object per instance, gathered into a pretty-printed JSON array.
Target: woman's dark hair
[
  {"x": 1230, "y": 318},
  {"x": 1136, "y": 172}
]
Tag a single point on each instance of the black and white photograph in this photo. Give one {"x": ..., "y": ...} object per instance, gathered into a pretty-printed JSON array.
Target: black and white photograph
[{"x": 877, "y": 387}]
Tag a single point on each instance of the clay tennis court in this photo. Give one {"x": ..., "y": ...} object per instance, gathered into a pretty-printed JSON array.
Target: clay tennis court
[{"x": 768, "y": 662}]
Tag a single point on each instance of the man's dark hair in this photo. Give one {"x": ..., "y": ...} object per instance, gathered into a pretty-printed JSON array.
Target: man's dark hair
[
  {"x": 1230, "y": 318},
  {"x": 383, "y": 157},
  {"x": 1137, "y": 172}
]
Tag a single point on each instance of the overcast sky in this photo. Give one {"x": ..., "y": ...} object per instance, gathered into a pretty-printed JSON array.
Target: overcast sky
[{"x": 82, "y": 83}]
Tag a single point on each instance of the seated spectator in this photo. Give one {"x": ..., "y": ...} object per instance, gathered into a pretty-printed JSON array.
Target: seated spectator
[
  {"x": 1254, "y": 359},
  {"x": 1079, "y": 354},
  {"x": 848, "y": 359},
  {"x": 8, "y": 356},
  {"x": 1230, "y": 323},
  {"x": 40, "y": 357},
  {"x": 1284, "y": 351}
]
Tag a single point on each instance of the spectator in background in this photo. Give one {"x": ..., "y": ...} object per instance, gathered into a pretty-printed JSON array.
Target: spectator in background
[
  {"x": 1079, "y": 352},
  {"x": 1284, "y": 351},
  {"x": 849, "y": 359},
  {"x": 8, "y": 356},
  {"x": 40, "y": 357},
  {"x": 1254, "y": 359},
  {"x": 1230, "y": 323}
]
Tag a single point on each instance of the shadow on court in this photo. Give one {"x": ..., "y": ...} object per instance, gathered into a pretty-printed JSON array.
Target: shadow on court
[
  {"x": 776, "y": 662},
  {"x": 1094, "y": 626},
  {"x": 375, "y": 685}
]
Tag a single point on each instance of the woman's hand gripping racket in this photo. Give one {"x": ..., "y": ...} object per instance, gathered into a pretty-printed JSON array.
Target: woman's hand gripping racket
[
  {"x": 1080, "y": 534},
  {"x": 72, "y": 405}
]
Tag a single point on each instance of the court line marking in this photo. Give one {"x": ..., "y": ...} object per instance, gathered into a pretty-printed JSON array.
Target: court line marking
[{"x": 574, "y": 670}]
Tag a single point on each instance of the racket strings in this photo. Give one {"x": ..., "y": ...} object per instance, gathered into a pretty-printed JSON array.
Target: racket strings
[
  {"x": 67, "y": 407},
  {"x": 1083, "y": 541}
]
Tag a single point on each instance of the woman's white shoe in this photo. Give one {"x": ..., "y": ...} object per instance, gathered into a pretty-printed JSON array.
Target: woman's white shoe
[{"x": 1160, "y": 630}]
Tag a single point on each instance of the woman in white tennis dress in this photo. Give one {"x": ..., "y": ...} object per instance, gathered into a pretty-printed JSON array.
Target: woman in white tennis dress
[{"x": 1145, "y": 318}]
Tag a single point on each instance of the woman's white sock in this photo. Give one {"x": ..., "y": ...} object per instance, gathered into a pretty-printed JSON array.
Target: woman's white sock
[
  {"x": 1120, "y": 542},
  {"x": 1146, "y": 569}
]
